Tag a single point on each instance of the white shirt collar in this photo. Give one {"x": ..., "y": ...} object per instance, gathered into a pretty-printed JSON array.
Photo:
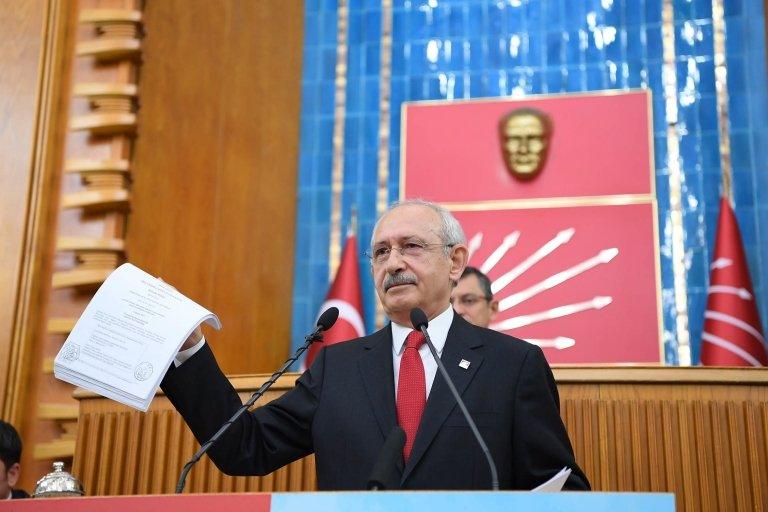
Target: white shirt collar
[{"x": 438, "y": 331}]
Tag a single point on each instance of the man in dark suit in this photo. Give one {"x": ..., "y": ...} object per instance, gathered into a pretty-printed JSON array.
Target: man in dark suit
[
  {"x": 10, "y": 468},
  {"x": 345, "y": 405}
]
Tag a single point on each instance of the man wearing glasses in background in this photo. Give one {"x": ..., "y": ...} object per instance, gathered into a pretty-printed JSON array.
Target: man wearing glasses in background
[{"x": 472, "y": 298}]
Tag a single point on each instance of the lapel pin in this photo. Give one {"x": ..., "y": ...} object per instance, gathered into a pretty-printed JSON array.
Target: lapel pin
[{"x": 464, "y": 364}]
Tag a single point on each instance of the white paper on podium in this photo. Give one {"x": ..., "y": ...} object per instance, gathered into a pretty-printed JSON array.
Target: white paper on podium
[
  {"x": 556, "y": 483},
  {"x": 127, "y": 337}
]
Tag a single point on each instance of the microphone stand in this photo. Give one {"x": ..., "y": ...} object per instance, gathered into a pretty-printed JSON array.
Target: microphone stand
[
  {"x": 460, "y": 402},
  {"x": 308, "y": 340}
]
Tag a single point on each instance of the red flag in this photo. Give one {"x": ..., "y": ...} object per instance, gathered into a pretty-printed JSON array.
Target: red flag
[
  {"x": 732, "y": 333},
  {"x": 344, "y": 294}
]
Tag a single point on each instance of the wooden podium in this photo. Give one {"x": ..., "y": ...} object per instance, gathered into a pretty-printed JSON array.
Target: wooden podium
[
  {"x": 335, "y": 501},
  {"x": 701, "y": 433}
]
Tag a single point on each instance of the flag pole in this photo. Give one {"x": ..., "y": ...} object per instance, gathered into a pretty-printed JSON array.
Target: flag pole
[
  {"x": 352, "y": 226},
  {"x": 721, "y": 96}
]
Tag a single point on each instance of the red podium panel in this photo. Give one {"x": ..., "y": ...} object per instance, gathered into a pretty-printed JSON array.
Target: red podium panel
[{"x": 252, "y": 502}]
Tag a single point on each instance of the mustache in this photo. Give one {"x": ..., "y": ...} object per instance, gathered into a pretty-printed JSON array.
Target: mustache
[{"x": 398, "y": 279}]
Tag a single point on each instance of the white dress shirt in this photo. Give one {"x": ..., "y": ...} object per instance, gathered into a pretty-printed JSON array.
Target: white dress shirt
[
  {"x": 438, "y": 333},
  {"x": 183, "y": 355}
]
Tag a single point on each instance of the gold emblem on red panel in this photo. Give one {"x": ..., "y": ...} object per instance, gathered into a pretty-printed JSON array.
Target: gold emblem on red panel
[{"x": 525, "y": 134}]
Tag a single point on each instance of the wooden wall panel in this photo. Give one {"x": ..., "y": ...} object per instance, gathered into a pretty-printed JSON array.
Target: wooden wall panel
[
  {"x": 50, "y": 435},
  {"x": 215, "y": 163},
  {"x": 35, "y": 62},
  {"x": 22, "y": 28},
  {"x": 34, "y": 104},
  {"x": 700, "y": 433}
]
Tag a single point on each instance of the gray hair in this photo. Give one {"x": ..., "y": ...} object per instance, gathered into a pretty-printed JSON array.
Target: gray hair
[{"x": 450, "y": 229}]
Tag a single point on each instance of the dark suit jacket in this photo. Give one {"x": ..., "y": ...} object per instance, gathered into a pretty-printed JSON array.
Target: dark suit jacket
[
  {"x": 18, "y": 494},
  {"x": 343, "y": 407}
]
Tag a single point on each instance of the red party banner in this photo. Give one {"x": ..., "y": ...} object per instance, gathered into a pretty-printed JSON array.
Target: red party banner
[{"x": 556, "y": 197}]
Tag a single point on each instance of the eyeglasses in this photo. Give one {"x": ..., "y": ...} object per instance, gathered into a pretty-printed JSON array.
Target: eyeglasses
[
  {"x": 469, "y": 299},
  {"x": 412, "y": 249}
]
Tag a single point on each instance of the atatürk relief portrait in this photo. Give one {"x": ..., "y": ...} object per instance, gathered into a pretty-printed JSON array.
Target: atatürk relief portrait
[{"x": 525, "y": 134}]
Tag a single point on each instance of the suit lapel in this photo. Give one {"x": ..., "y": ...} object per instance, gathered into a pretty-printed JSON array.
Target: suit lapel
[
  {"x": 460, "y": 344},
  {"x": 376, "y": 371}
]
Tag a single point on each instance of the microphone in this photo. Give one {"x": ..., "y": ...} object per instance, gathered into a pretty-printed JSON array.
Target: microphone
[
  {"x": 419, "y": 322},
  {"x": 384, "y": 475},
  {"x": 326, "y": 320}
]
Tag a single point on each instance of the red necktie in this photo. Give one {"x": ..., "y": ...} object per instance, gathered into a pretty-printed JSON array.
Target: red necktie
[{"x": 411, "y": 390}]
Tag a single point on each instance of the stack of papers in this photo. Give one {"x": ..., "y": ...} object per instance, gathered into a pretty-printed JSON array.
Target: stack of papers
[{"x": 127, "y": 337}]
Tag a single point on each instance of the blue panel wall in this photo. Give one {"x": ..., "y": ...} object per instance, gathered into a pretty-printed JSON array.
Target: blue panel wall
[{"x": 447, "y": 49}]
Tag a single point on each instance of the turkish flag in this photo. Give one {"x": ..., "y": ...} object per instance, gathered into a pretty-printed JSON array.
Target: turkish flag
[
  {"x": 346, "y": 295},
  {"x": 732, "y": 331}
]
